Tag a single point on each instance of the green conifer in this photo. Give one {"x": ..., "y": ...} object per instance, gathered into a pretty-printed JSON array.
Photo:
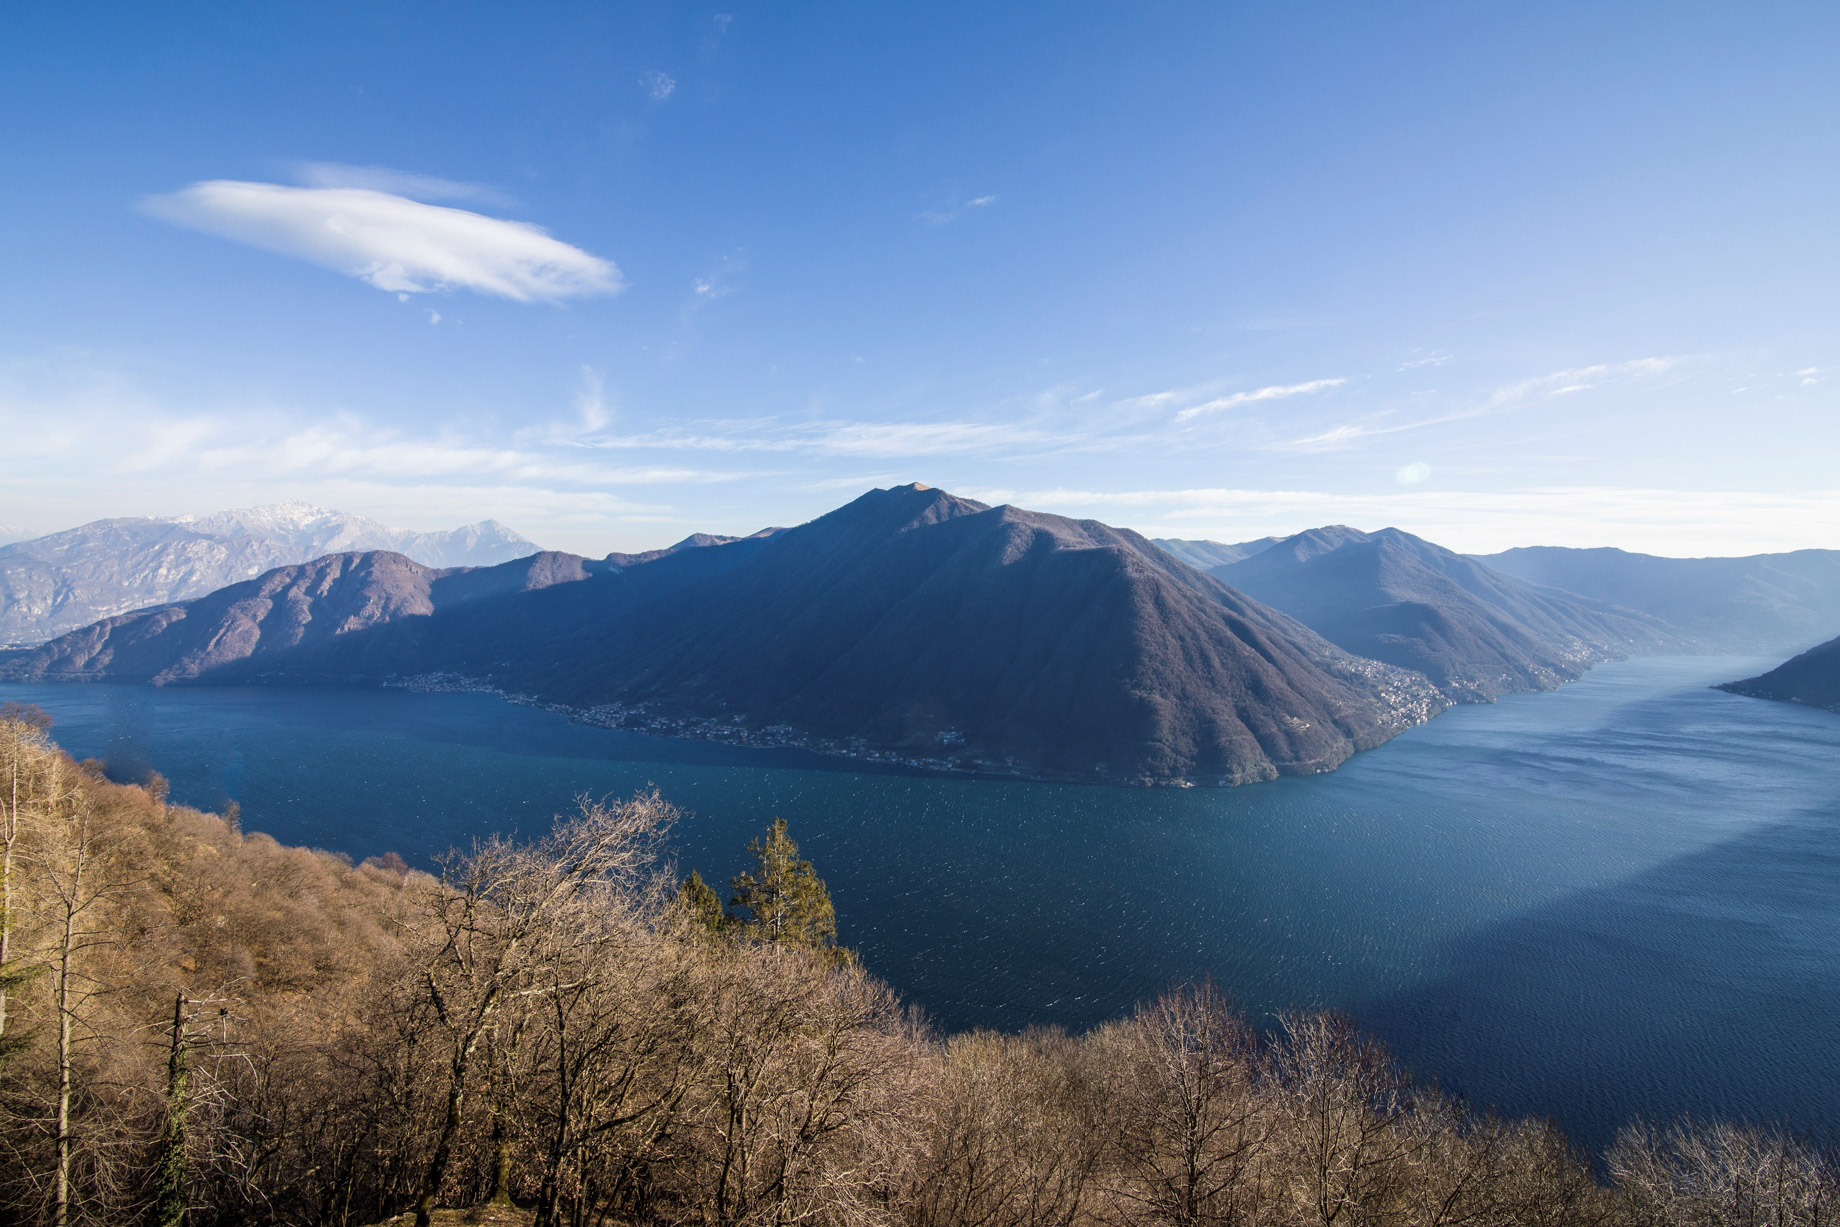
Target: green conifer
[
  {"x": 701, "y": 906},
  {"x": 784, "y": 901}
]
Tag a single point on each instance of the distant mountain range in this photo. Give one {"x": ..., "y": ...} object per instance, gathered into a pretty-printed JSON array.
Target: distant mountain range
[
  {"x": 1812, "y": 678},
  {"x": 914, "y": 626},
  {"x": 1395, "y": 597},
  {"x": 1763, "y": 603},
  {"x": 907, "y": 625},
  {"x": 53, "y": 584}
]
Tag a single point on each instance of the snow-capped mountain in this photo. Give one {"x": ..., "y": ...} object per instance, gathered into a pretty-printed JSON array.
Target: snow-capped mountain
[{"x": 53, "y": 584}]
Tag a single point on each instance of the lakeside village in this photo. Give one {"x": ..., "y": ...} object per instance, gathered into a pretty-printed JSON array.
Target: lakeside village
[{"x": 734, "y": 731}]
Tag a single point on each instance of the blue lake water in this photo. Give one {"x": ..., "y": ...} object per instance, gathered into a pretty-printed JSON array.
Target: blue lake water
[{"x": 1618, "y": 899}]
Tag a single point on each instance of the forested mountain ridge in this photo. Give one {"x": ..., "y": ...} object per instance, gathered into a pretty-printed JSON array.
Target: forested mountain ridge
[
  {"x": 1760, "y": 603},
  {"x": 1477, "y": 633},
  {"x": 55, "y": 583},
  {"x": 908, "y": 622},
  {"x": 1812, "y": 678}
]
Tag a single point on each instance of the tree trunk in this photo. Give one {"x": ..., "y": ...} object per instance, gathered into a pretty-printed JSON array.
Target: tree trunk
[
  {"x": 9, "y": 835},
  {"x": 450, "y": 1124},
  {"x": 171, "y": 1195},
  {"x": 61, "y": 1211},
  {"x": 501, "y": 1160}
]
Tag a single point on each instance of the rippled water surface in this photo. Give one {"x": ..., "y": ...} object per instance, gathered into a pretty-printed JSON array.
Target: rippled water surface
[{"x": 1620, "y": 898}]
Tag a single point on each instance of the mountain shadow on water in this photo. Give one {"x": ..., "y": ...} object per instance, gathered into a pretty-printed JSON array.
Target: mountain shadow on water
[
  {"x": 1627, "y": 1002},
  {"x": 1475, "y": 632},
  {"x": 909, "y": 622}
]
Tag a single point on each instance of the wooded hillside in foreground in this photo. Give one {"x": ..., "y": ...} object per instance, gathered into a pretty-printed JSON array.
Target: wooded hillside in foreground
[{"x": 202, "y": 1026}]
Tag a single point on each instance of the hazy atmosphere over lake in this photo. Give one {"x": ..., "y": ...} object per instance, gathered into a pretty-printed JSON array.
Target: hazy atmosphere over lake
[{"x": 973, "y": 615}]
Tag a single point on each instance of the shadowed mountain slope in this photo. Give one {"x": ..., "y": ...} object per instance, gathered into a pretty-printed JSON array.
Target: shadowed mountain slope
[
  {"x": 284, "y": 616},
  {"x": 1760, "y": 603},
  {"x": 908, "y": 621},
  {"x": 1812, "y": 678},
  {"x": 53, "y": 584},
  {"x": 1398, "y": 598}
]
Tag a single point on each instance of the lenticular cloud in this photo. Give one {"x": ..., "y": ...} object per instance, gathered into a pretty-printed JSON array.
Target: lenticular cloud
[{"x": 392, "y": 242}]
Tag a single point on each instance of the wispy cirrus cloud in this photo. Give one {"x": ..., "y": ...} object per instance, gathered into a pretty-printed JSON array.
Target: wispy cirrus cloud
[
  {"x": 1521, "y": 394},
  {"x": 1579, "y": 379},
  {"x": 939, "y": 217},
  {"x": 1274, "y": 392},
  {"x": 391, "y": 242},
  {"x": 1436, "y": 357},
  {"x": 856, "y": 440}
]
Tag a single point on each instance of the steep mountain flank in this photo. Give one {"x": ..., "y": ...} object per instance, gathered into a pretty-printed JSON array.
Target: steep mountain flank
[
  {"x": 1812, "y": 678},
  {"x": 1398, "y": 598},
  {"x": 53, "y": 584},
  {"x": 907, "y": 622},
  {"x": 1760, "y": 603},
  {"x": 915, "y": 619}
]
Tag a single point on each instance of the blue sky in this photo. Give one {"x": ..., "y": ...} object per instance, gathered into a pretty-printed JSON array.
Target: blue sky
[{"x": 1499, "y": 275}]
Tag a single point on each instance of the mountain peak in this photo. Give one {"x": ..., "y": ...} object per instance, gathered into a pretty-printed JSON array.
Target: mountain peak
[
  {"x": 901, "y": 507},
  {"x": 909, "y": 625}
]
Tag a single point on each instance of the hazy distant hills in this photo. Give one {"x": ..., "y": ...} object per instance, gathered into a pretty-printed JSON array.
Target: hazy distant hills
[
  {"x": 310, "y": 614},
  {"x": 1812, "y": 678},
  {"x": 1207, "y": 554},
  {"x": 53, "y": 584},
  {"x": 692, "y": 542},
  {"x": 908, "y": 622},
  {"x": 1761, "y": 603},
  {"x": 1475, "y": 632}
]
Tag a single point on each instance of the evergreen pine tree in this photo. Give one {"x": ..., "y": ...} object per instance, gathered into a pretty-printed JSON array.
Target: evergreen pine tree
[
  {"x": 784, "y": 901},
  {"x": 702, "y": 906}
]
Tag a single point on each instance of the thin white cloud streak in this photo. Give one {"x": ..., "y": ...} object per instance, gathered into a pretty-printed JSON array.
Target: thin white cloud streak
[
  {"x": 941, "y": 217},
  {"x": 1506, "y": 399},
  {"x": 391, "y": 242},
  {"x": 397, "y": 182},
  {"x": 658, "y": 86},
  {"x": 1275, "y": 392},
  {"x": 860, "y": 440},
  {"x": 1435, "y": 358},
  {"x": 122, "y": 440}
]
